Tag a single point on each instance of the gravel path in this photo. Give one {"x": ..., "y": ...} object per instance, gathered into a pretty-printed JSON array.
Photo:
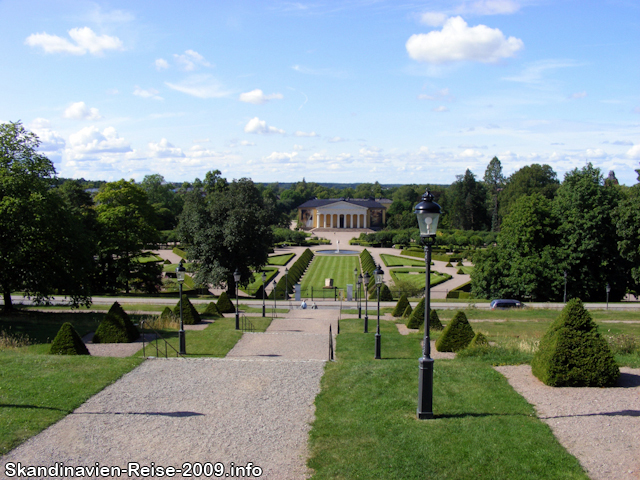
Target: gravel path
[
  {"x": 599, "y": 426},
  {"x": 255, "y": 406}
]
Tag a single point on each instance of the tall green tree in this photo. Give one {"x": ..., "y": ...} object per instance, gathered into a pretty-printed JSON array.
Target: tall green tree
[
  {"x": 465, "y": 203},
  {"x": 627, "y": 220},
  {"x": 224, "y": 228},
  {"x": 165, "y": 202},
  {"x": 527, "y": 181},
  {"x": 127, "y": 226},
  {"x": 494, "y": 180},
  {"x": 37, "y": 232}
]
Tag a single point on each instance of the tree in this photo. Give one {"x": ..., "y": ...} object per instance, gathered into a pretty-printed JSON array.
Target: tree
[
  {"x": 165, "y": 202},
  {"x": 627, "y": 220},
  {"x": 226, "y": 227},
  {"x": 526, "y": 181},
  {"x": 466, "y": 203},
  {"x": 126, "y": 228},
  {"x": 37, "y": 231},
  {"x": 494, "y": 180}
]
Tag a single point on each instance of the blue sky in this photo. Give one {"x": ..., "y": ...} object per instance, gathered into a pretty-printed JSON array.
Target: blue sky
[{"x": 333, "y": 91}]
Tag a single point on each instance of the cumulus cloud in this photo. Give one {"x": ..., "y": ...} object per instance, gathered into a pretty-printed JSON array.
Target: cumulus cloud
[
  {"x": 191, "y": 59},
  {"x": 80, "y": 111},
  {"x": 281, "y": 157},
  {"x": 161, "y": 64},
  {"x": 492, "y": 7},
  {"x": 433, "y": 19},
  {"x": 50, "y": 141},
  {"x": 148, "y": 93},
  {"x": 90, "y": 141},
  {"x": 459, "y": 42},
  {"x": 634, "y": 152},
  {"x": 201, "y": 86},
  {"x": 336, "y": 140},
  {"x": 84, "y": 39},
  {"x": 470, "y": 153},
  {"x": 257, "y": 97},
  {"x": 595, "y": 153},
  {"x": 164, "y": 149},
  {"x": 306, "y": 134},
  {"x": 255, "y": 125}
]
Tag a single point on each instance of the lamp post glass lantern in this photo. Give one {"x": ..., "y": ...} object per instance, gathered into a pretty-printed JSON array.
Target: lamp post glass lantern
[
  {"x": 379, "y": 275},
  {"x": 286, "y": 284},
  {"x": 608, "y": 287},
  {"x": 367, "y": 278},
  {"x": 428, "y": 214},
  {"x": 264, "y": 278},
  {"x": 181, "y": 337},
  {"x": 236, "y": 279},
  {"x": 359, "y": 282}
]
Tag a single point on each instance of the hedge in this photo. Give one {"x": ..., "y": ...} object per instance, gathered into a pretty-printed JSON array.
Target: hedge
[
  {"x": 457, "y": 335},
  {"x": 68, "y": 342}
]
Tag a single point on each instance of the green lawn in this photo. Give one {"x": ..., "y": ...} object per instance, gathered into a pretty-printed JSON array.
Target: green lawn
[
  {"x": 257, "y": 279},
  {"x": 280, "y": 260},
  {"x": 395, "y": 261},
  {"x": 338, "y": 267},
  {"x": 366, "y": 424},
  {"x": 416, "y": 276}
]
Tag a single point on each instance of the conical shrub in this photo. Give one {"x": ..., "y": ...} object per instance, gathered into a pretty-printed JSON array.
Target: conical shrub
[
  {"x": 434, "y": 321},
  {"x": 224, "y": 304},
  {"x": 478, "y": 339},
  {"x": 457, "y": 335},
  {"x": 212, "y": 310},
  {"x": 167, "y": 313},
  {"x": 401, "y": 306},
  {"x": 117, "y": 310},
  {"x": 258, "y": 293},
  {"x": 407, "y": 311},
  {"x": 572, "y": 352},
  {"x": 190, "y": 315},
  {"x": 416, "y": 320},
  {"x": 68, "y": 342},
  {"x": 112, "y": 329}
]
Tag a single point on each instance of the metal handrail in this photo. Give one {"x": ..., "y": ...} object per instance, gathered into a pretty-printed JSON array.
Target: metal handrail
[
  {"x": 330, "y": 345},
  {"x": 246, "y": 325},
  {"x": 166, "y": 355}
]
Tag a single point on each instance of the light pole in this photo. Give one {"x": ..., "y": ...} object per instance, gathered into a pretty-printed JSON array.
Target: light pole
[
  {"x": 286, "y": 284},
  {"x": 355, "y": 281},
  {"x": 379, "y": 274},
  {"x": 180, "y": 277},
  {"x": 264, "y": 277},
  {"x": 608, "y": 287},
  {"x": 367, "y": 278},
  {"x": 359, "y": 296},
  {"x": 236, "y": 279},
  {"x": 428, "y": 213},
  {"x": 565, "y": 287}
]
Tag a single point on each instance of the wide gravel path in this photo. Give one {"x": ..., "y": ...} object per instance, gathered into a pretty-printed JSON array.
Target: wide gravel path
[{"x": 254, "y": 406}]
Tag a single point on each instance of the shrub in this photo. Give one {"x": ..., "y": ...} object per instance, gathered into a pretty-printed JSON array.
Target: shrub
[
  {"x": 117, "y": 310},
  {"x": 460, "y": 272},
  {"x": 448, "y": 264},
  {"x": 434, "y": 321},
  {"x": 401, "y": 306},
  {"x": 258, "y": 293},
  {"x": 224, "y": 304},
  {"x": 459, "y": 264},
  {"x": 457, "y": 335},
  {"x": 478, "y": 339},
  {"x": 190, "y": 315},
  {"x": 407, "y": 311},
  {"x": 385, "y": 293},
  {"x": 212, "y": 310},
  {"x": 416, "y": 320},
  {"x": 112, "y": 329},
  {"x": 68, "y": 342},
  {"x": 167, "y": 313},
  {"x": 572, "y": 352}
]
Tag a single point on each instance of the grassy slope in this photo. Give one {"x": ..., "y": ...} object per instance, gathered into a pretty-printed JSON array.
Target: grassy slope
[
  {"x": 338, "y": 267},
  {"x": 395, "y": 261}
]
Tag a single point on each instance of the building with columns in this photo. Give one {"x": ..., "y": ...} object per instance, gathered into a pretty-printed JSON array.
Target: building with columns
[{"x": 343, "y": 213}]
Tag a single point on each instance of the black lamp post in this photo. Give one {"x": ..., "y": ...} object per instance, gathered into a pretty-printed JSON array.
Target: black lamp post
[
  {"x": 355, "y": 281},
  {"x": 359, "y": 296},
  {"x": 236, "y": 278},
  {"x": 180, "y": 278},
  {"x": 379, "y": 275},
  {"x": 428, "y": 213},
  {"x": 286, "y": 284},
  {"x": 608, "y": 287},
  {"x": 367, "y": 278},
  {"x": 565, "y": 286},
  {"x": 264, "y": 277}
]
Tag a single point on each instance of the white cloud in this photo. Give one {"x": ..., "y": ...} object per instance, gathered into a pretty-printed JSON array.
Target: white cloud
[
  {"x": 281, "y": 157},
  {"x": 443, "y": 94},
  {"x": 371, "y": 152},
  {"x": 161, "y": 64},
  {"x": 298, "y": 148},
  {"x": 164, "y": 149},
  {"x": 579, "y": 95},
  {"x": 50, "y": 141},
  {"x": 440, "y": 109},
  {"x": 336, "y": 140},
  {"x": 255, "y": 125},
  {"x": 247, "y": 143},
  {"x": 492, "y": 7},
  {"x": 90, "y": 141},
  {"x": 634, "y": 152},
  {"x": 149, "y": 93},
  {"x": 534, "y": 71},
  {"x": 86, "y": 41},
  {"x": 80, "y": 111},
  {"x": 595, "y": 153},
  {"x": 201, "y": 86},
  {"x": 306, "y": 134},
  {"x": 257, "y": 97},
  {"x": 433, "y": 19},
  {"x": 190, "y": 59},
  {"x": 459, "y": 42},
  {"x": 470, "y": 153}
]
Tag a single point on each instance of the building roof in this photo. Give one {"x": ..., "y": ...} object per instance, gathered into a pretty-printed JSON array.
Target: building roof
[{"x": 361, "y": 202}]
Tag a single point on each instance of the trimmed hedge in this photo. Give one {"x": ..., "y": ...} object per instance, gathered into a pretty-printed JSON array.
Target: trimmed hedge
[
  {"x": 212, "y": 310},
  {"x": 112, "y": 329},
  {"x": 457, "y": 335},
  {"x": 434, "y": 321},
  {"x": 224, "y": 304},
  {"x": 295, "y": 274},
  {"x": 407, "y": 311},
  {"x": 190, "y": 315},
  {"x": 478, "y": 339},
  {"x": 167, "y": 313},
  {"x": 385, "y": 294},
  {"x": 573, "y": 353},
  {"x": 68, "y": 342},
  {"x": 401, "y": 306},
  {"x": 416, "y": 320},
  {"x": 117, "y": 310}
]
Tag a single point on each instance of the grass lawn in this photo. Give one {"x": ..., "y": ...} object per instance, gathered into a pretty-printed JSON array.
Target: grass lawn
[
  {"x": 395, "y": 261},
  {"x": 366, "y": 425},
  {"x": 338, "y": 267},
  {"x": 38, "y": 390},
  {"x": 416, "y": 276},
  {"x": 257, "y": 279},
  {"x": 280, "y": 260}
]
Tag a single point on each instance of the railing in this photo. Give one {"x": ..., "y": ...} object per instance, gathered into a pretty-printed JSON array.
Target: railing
[
  {"x": 246, "y": 325},
  {"x": 330, "y": 345},
  {"x": 158, "y": 336}
]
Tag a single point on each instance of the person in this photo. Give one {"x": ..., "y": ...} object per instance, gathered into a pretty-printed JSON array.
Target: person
[
  {"x": 303, "y": 305},
  {"x": 314, "y": 306}
]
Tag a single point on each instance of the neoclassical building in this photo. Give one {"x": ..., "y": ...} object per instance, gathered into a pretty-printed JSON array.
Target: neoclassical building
[{"x": 343, "y": 213}]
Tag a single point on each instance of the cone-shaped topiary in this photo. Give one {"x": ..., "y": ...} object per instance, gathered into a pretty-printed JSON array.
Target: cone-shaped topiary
[
  {"x": 132, "y": 331},
  {"x": 190, "y": 315},
  {"x": 401, "y": 306},
  {"x": 212, "y": 310},
  {"x": 460, "y": 271},
  {"x": 416, "y": 320},
  {"x": 456, "y": 336},
  {"x": 573, "y": 353},
  {"x": 224, "y": 304},
  {"x": 407, "y": 311},
  {"x": 68, "y": 342},
  {"x": 258, "y": 293},
  {"x": 448, "y": 264},
  {"x": 478, "y": 339},
  {"x": 112, "y": 330},
  {"x": 434, "y": 321},
  {"x": 167, "y": 313},
  {"x": 385, "y": 293}
]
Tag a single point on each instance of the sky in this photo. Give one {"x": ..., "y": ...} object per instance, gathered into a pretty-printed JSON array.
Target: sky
[{"x": 343, "y": 91}]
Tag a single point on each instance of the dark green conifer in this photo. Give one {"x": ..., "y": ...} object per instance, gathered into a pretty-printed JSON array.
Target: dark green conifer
[
  {"x": 112, "y": 329},
  {"x": 416, "y": 320},
  {"x": 457, "y": 335},
  {"x": 225, "y": 305},
  {"x": 401, "y": 306},
  {"x": 68, "y": 342},
  {"x": 190, "y": 315}
]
